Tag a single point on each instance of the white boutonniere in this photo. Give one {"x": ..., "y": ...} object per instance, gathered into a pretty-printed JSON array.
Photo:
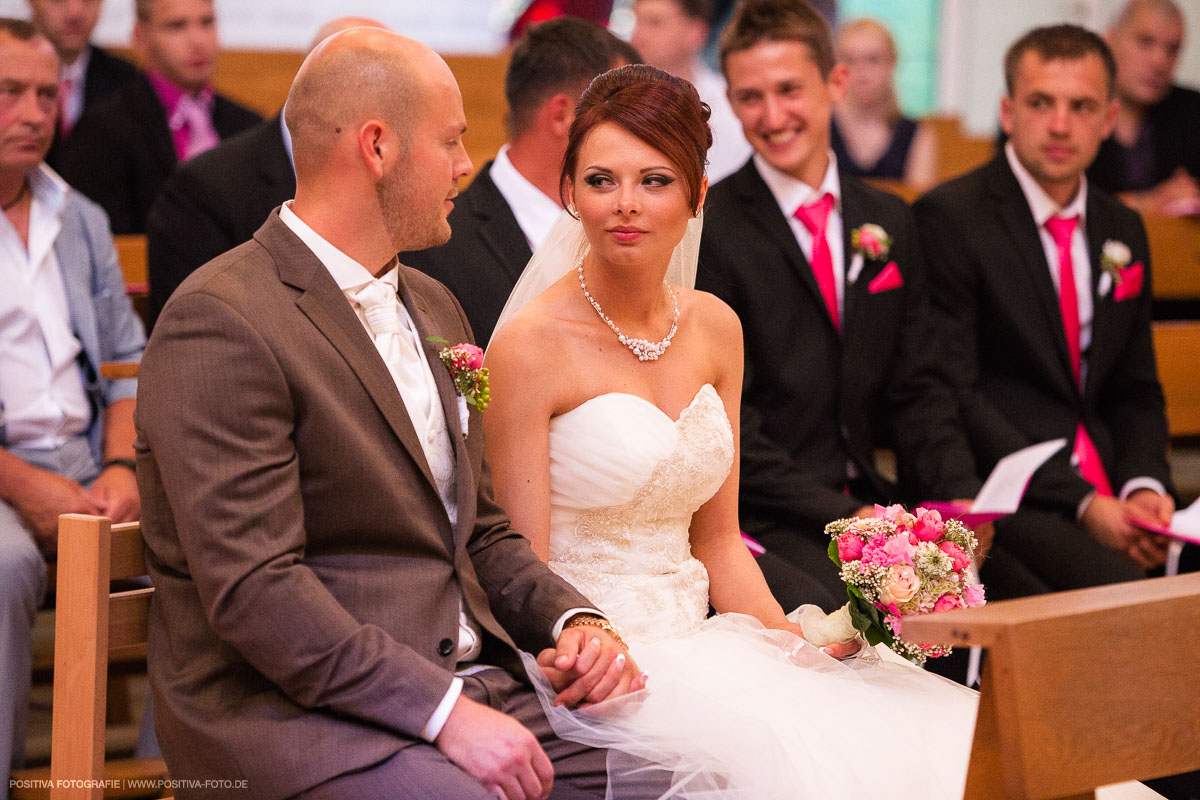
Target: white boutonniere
[{"x": 1114, "y": 257}]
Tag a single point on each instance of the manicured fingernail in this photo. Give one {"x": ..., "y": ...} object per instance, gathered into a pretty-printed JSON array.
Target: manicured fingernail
[
  {"x": 621, "y": 661},
  {"x": 596, "y": 642}
]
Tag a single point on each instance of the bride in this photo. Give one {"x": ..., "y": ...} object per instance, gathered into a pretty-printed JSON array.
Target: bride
[{"x": 613, "y": 436}]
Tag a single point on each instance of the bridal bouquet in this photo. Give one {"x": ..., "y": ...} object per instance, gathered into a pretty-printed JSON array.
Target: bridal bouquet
[{"x": 896, "y": 564}]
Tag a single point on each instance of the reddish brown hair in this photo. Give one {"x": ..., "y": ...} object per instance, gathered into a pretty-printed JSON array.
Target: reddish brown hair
[{"x": 663, "y": 111}]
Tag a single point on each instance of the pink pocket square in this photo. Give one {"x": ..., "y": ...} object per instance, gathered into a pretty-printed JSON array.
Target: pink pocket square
[
  {"x": 887, "y": 280},
  {"x": 1129, "y": 282}
]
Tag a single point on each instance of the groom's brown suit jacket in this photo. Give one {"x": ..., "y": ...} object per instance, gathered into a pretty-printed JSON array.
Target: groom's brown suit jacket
[{"x": 308, "y": 579}]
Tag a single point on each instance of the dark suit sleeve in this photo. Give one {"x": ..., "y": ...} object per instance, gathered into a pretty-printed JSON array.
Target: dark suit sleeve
[
  {"x": 1132, "y": 405},
  {"x": 956, "y": 314},
  {"x": 770, "y": 481},
  {"x": 95, "y": 161},
  {"x": 217, "y": 416},
  {"x": 183, "y": 231},
  {"x": 933, "y": 455}
]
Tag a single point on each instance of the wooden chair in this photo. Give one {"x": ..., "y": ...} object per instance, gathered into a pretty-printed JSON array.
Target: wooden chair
[
  {"x": 1081, "y": 689},
  {"x": 91, "y": 624},
  {"x": 1177, "y": 351}
]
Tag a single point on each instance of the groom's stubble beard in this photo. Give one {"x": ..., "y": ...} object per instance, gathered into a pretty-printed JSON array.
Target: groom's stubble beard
[{"x": 400, "y": 207}]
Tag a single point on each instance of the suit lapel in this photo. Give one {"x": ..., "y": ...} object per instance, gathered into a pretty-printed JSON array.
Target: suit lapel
[
  {"x": 853, "y": 217},
  {"x": 1014, "y": 214},
  {"x": 1097, "y": 225},
  {"x": 326, "y": 307},
  {"x": 759, "y": 206},
  {"x": 499, "y": 227},
  {"x": 146, "y": 105},
  {"x": 72, "y": 250}
]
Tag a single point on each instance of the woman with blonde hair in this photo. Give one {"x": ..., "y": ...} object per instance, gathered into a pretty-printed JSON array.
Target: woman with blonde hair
[{"x": 870, "y": 137}]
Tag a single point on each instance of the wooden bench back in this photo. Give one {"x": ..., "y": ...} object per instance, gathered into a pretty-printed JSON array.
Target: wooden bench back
[{"x": 1081, "y": 689}]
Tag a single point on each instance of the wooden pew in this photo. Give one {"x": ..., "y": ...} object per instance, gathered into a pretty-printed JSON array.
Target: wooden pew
[
  {"x": 1177, "y": 351},
  {"x": 1081, "y": 689},
  {"x": 1175, "y": 257},
  {"x": 131, "y": 254},
  {"x": 958, "y": 151}
]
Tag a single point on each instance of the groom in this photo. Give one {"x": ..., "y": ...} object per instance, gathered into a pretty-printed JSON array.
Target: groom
[{"x": 339, "y": 601}]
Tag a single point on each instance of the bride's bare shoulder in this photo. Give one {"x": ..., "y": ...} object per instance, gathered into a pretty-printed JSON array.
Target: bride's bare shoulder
[
  {"x": 710, "y": 313},
  {"x": 536, "y": 333}
]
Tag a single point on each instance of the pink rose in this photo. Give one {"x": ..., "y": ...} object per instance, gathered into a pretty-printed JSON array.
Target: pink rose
[
  {"x": 902, "y": 585},
  {"x": 899, "y": 550},
  {"x": 957, "y": 555},
  {"x": 948, "y": 602},
  {"x": 973, "y": 595},
  {"x": 929, "y": 526},
  {"x": 850, "y": 547},
  {"x": 872, "y": 552},
  {"x": 470, "y": 355}
]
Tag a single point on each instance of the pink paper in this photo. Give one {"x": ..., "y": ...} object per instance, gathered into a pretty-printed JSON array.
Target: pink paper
[
  {"x": 1154, "y": 527},
  {"x": 963, "y": 514}
]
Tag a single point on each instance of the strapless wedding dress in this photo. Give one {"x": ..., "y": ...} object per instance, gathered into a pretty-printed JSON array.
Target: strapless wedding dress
[{"x": 731, "y": 710}]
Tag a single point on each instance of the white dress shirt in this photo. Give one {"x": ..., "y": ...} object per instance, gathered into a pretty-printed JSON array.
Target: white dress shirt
[
  {"x": 790, "y": 194},
  {"x": 1043, "y": 208},
  {"x": 41, "y": 384},
  {"x": 729, "y": 150},
  {"x": 71, "y": 106},
  {"x": 424, "y": 407},
  {"x": 536, "y": 212}
]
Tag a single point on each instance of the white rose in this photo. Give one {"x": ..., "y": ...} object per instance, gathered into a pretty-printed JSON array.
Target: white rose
[
  {"x": 1117, "y": 252},
  {"x": 822, "y": 629}
]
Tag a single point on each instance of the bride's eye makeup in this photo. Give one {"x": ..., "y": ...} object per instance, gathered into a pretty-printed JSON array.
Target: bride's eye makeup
[
  {"x": 658, "y": 180},
  {"x": 598, "y": 179}
]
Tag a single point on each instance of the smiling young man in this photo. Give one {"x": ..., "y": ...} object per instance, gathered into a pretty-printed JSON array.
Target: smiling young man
[
  {"x": 122, "y": 150},
  {"x": 837, "y": 333},
  {"x": 1043, "y": 294}
]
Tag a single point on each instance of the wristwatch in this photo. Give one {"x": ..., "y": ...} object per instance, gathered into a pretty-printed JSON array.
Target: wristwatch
[
  {"x": 596, "y": 622},
  {"x": 127, "y": 463}
]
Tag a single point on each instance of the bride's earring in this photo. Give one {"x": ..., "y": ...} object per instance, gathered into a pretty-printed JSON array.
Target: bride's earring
[{"x": 571, "y": 210}]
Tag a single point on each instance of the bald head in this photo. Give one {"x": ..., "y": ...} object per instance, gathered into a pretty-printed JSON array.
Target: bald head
[
  {"x": 1129, "y": 11},
  {"x": 343, "y": 24},
  {"x": 351, "y": 78}
]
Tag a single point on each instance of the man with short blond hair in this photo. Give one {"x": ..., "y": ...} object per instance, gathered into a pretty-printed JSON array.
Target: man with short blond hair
[{"x": 122, "y": 150}]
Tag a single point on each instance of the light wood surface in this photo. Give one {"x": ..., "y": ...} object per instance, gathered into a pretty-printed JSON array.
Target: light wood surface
[
  {"x": 131, "y": 255},
  {"x": 1177, "y": 350},
  {"x": 1175, "y": 256},
  {"x": 90, "y": 622},
  {"x": 1081, "y": 689}
]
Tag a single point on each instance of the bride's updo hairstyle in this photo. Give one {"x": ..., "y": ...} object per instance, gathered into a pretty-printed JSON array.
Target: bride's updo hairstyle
[{"x": 663, "y": 111}]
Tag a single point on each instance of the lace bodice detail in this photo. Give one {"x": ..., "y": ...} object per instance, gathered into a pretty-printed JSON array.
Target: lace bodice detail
[{"x": 625, "y": 480}]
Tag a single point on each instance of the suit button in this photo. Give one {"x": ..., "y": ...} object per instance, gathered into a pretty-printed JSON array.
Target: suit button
[{"x": 445, "y": 647}]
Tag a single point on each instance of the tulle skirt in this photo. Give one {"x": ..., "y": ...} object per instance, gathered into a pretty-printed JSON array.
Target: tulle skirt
[{"x": 734, "y": 710}]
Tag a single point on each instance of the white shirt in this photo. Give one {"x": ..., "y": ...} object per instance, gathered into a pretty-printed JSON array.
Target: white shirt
[
  {"x": 1043, "y": 208},
  {"x": 41, "y": 384},
  {"x": 536, "y": 213},
  {"x": 729, "y": 150},
  {"x": 790, "y": 194},
  {"x": 72, "y": 104},
  {"x": 350, "y": 276}
]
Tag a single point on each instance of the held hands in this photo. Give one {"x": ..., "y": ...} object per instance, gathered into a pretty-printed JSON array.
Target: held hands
[
  {"x": 45, "y": 497},
  {"x": 588, "y": 666},
  {"x": 497, "y": 750}
]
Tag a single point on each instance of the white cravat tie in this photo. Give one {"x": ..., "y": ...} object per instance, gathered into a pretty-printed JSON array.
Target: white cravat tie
[{"x": 397, "y": 343}]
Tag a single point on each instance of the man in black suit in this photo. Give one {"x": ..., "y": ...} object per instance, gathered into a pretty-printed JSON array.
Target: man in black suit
[
  {"x": 1153, "y": 155},
  {"x": 837, "y": 329},
  {"x": 513, "y": 201},
  {"x": 123, "y": 149},
  {"x": 87, "y": 74},
  {"x": 218, "y": 199},
  {"x": 1043, "y": 293}
]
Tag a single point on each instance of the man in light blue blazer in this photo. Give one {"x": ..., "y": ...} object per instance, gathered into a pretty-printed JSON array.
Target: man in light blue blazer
[{"x": 66, "y": 433}]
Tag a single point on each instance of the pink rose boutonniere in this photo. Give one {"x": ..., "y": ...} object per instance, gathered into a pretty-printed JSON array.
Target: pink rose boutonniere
[
  {"x": 465, "y": 364},
  {"x": 871, "y": 240}
]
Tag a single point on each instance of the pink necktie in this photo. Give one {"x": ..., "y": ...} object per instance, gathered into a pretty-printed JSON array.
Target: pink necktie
[
  {"x": 1062, "y": 231},
  {"x": 193, "y": 123},
  {"x": 64, "y": 97},
  {"x": 815, "y": 217}
]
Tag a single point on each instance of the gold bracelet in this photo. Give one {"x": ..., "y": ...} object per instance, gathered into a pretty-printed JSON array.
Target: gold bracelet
[{"x": 596, "y": 622}]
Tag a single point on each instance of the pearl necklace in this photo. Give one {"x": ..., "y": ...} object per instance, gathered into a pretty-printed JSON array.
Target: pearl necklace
[{"x": 644, "y": 349}]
